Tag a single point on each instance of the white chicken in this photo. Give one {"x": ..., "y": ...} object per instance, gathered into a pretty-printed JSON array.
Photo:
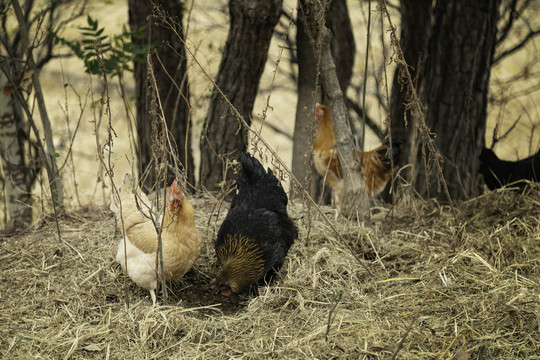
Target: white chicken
[{"x": 137, "y": 251}]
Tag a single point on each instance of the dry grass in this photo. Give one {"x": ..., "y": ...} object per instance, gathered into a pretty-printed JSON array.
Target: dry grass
[{"x": 466, "y": 283}]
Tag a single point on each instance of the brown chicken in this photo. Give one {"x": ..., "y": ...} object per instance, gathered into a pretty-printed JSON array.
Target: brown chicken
[
  {"x": 376, "y": 166},
  {"x": 181, "y": 242}
]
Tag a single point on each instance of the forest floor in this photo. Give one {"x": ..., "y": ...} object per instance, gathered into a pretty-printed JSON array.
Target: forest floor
[{"x": 446, "y": 283}]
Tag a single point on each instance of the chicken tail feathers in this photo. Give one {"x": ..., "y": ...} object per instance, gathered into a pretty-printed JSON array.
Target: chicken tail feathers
[
  {"x": 259, "y": 187},
  {"x": 252, "y": 169},
  {"x": 396, "y": 153}
]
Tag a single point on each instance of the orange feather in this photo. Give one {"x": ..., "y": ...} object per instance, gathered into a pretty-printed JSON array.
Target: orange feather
[{"x": 374, "y": 169}]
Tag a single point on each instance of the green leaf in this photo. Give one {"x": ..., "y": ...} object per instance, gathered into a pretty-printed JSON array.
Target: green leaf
[
  {"x": 93, "y": 67},
  {"x": 91, "y": 22}
]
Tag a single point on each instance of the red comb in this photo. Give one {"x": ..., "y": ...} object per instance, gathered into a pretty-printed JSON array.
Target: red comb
[{"x": 174, "y": 187}]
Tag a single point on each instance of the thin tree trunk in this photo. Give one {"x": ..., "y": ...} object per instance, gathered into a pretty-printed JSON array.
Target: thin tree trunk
[
  {"x": 305, "y": 125},
  {"x": 343, "y": 51},
  {"x": 342, "y": 45},
  {"x": 48, "y": 151},
  {"x": 458, "y": 68},
  {"x": 17, "y": 187},
  {"x": 355, "y": 198},
  {"x": 223, "y": 137},
  {"x": 170, "y": 69}
]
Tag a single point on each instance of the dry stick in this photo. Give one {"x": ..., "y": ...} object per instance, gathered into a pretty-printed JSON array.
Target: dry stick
[
  {"x": 388, "y": 122},
  {"x": 431, "y": 147},
  {"x": 365, "y": 83},
  {"x": 223, "y": 195},
  {"x": 129, "y": 115},
  {"x": 281, "y": 163},
  {"x": 108, "y": 165},
  {"x": 315, "y": 98},
  {"x": 330, "y": 313},
  {"x": 71, "y": 135},
  {"x": 280, "y": 54},
  {"x": 428, "y": 141},
  {"x": 166, "y": 18},
  {"x": 320, "y": 36},
  {"x": 184, "y": 97},
  {"x": 154, "y": 101},
  {"x": 166, "y": 143},
  {"x": 174, "y": 25},
  {"x": 69, "y": 155}
]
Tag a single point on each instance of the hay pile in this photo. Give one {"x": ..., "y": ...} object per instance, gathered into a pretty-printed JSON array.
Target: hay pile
[{"x": 446, "y": 284}]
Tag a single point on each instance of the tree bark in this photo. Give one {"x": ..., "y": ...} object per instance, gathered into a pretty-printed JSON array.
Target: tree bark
[
  {"x": 342, "y": 45},
  {"x": 305, "y": 125},
  {"x": 48, "y": 151},
  {"x": 416, "y": 18},
  {"x": 458, "y": 68},
  {"x": 355, "y": 198},
  {"x": 223, "y": 136},
  {"x": 170, "y": 69},
  {"x": 18, "y": 179},
  {"x": 343, "y": 51}
]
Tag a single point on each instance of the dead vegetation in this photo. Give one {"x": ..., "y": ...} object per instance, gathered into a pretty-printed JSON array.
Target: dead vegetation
[{"x": 446, "y": 285}]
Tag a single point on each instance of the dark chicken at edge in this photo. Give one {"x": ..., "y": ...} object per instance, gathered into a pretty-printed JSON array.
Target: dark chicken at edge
[
  {"x": 498, "y": 173},
  {"x": 257, "y": 232}
]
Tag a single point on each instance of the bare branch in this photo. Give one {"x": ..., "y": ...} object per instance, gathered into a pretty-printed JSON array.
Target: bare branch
[
  {"x": 362, "y": 114},
  {"x": 513, "y": 15},
  {"x": 495, "y": 138},
  {"x": 530, "y": 36}
]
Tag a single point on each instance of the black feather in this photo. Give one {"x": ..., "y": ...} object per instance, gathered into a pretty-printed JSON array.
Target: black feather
[
  {"x": 498, "y": 173},
  {"x": 396, "y": 153},
  {"x": 259, "y": 213}
]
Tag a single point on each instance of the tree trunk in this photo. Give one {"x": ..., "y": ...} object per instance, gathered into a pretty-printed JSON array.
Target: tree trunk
[
  {"x": 170, "y": 69},
  {"x": 343, "y": 51},
  {"x": 355, "y": 199},
  {"x": 458, "y": 67},
  {"x": 47, "y": 151},
  {"x": 305, "y": 124},
  {"x": 415, "y": 30},
  {"x": 342, "y": 45},
  {"x": 18, "y": 178},
  {"x": 223, "y": 136}
]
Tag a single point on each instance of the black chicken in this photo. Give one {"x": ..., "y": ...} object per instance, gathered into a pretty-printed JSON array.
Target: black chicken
[
  {"x": 256, "y": 234},
  {"x": 498, "y": 173}
]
